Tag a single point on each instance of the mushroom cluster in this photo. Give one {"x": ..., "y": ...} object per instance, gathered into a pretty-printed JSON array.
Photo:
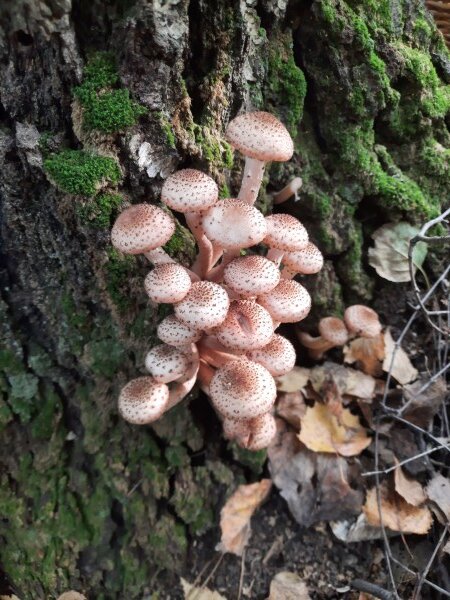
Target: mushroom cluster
[{"x": 227, "y": 306}]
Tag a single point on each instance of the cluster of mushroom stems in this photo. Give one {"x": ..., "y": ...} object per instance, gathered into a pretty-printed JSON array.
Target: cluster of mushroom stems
[
  {"x": 227, "y": 306},
  {"x": 359, "y": 321}
]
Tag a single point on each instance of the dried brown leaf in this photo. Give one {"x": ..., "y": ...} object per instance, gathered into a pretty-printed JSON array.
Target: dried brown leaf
[
  {"x": 72, "y": 595},
  {"x": 288, "y": 586},
  {"x": 321, "y": 431},
  {"x": 438, "y": 490},
  {"x": 196, "y": 593},
  {"x": 396, "y": 513},
  {"x": 236, "y": 514},
  {"x": 358, "y": 530},
  {"x": 348, "y": 381},
  {"x": 409, "y": 489},
  {"x": 367, "y": 353},
  {"x": 401, "y": 368},
  {"x": 423, "y": 405},
  {"x": 291, "y": 407},
  {"x": 294, "y": 381}
]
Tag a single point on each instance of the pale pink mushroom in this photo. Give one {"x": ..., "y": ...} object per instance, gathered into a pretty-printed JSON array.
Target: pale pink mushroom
[
  {"x": 166, "y": 363},
  {"x": 288, "y": 302},
  {"x": 333, "y": 332},
  {"x": 247, "y": 326},
  {"x": 307, "y": 261},
  {"x": 251, "y": 275},
  {"x": 235, "y": 429},
  {"x": 232, "y": 224},
  {"x": 260, "y": 137},
  {"x": 285, "y": 233},
  {"x": 278, "y": 356},
  {"x": 192, "y": 192},
  {"x": 143, "y": 229},
  {"x": 167, "y": 283},
  {"x": 262, "y": 432},
  {"x": 289, "y": 190},
  {"x": 172, "y": 331},
  {"x": 143, "y": 400},
  {"x": 204, "y": 307},
  {"x": 242, "y": 389},
  {"x": 362, "y": 321}
]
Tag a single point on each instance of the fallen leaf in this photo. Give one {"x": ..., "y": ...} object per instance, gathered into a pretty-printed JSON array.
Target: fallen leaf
[
  {"x": 291, "y": 407},
  {"x": 72, "y": 595},
  {"x": 294, "y": 381},
  {"x": 321, "y": 431},
  {"x": 236, "y": 514},
  {"x": 389, "y": 256},
  {"x": 438, "y": 490},
  {"x": 367, "y": 353},
  {"x": 396, "y": 513},
  {"x": 196, "y": 593},
  {"x": 348, "y": 381},
  {"x": 400, "y": 368},
  {"x": 288, "y": 586},
  {"x": 316, "y": 487},
  {"x": 423, "y": 405},
  {"x": 446, "y": 548},
  {"x": 409, "y": 489},
  {"x": 358, "y": 530}
]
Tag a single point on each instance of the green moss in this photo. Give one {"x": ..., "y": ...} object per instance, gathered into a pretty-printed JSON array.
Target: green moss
[
  {"x": 169, "y": 134},
  {"x": 216, "y": 151},
  {"x": 100, "y": 210},
  {"x": 23, "y": 392},
  {"x": 100, "y": 71},
  {"x": 436, "y": 161},
  {"x": 118, "y": 270},
  {"x": 253, "y": 460},
  {"x": 357, "y": 285},
  {"x": 286, "y": 84},
  {"x": 224, "y": 191},
  {"x": 105, "y": 356},
  {"x": 81, "y": 173}
]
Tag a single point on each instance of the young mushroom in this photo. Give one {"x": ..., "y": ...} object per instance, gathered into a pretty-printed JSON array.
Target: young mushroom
[
  {"x": 288, "y": 302},
  {"x": 204, "y": 307},
  {"x": 167, "y": 283},
  {"x": 307, "y": 261},
  {"x": 333, "y": 332},
  {"x": 278, "y": 356},
  {"x": 143, "y": 400},
  {"x": 251, "y": 275},
  {"x": 175, "y": 333},
  {"x": 261, "y": 138},
  {"x": 247, "y": 326},
  {"x": 251, "y": 434},
  {"x": 362, "y": 321},
  {"x": 166, "y": 363},
  {"x": 285, "y": 233}
]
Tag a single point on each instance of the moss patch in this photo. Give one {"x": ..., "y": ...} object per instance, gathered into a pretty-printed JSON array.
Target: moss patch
[{"x": 100, "y": 210}]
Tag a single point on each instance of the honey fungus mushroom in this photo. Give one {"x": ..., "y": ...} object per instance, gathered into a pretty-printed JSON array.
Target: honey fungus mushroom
[
  {"x": 333, "y": 332},
  {"x": 143, "y": 400},
  {"x": 168, "y": 283},
  {"x": 362, "y": 321}
]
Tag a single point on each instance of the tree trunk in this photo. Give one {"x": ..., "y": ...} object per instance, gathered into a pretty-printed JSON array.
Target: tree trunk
[{"x": 86, "y": 501}]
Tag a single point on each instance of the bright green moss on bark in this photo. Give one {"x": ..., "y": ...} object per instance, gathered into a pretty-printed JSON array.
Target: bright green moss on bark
[
  {"x": 81, "y": 173},
  {"x": 100, "y": 210}
]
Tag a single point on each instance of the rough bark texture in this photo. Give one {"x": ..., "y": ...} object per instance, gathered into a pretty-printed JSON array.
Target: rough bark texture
[{"x": 87, "y": 502}]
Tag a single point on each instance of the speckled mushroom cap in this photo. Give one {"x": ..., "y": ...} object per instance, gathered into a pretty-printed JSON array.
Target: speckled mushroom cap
[
  {"x": 289, "y": 302},
  {"x": 362, "y": 320},
  {"x": 140, "y": 228},
  {"x": 172, "y": 331},
  {"x": 307, "y": 261},
  {"x": 285, "y": 232},
  {"x": 263, "y": 430},
  {"x": 234, "y": 428},
  {"x": 260, "y": 135},
  {"x": 242, "y": 389},
  {"x": 246, "y": 326},
  {"x": 205, "y": 306},
  {"x": 166, "y": 363},
  {"x": 333, "y": 330},
  {"x": 167, "y": 283},
  {"x": 278, "y": 356},
  {"x": 189, "y": 190},
  {"x": 234, "y": 224},
  {"x": 143, "y": 400},
  {"x": 251, "y": 275}
]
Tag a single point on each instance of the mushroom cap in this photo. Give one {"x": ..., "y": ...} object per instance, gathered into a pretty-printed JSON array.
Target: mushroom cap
[
  {"x": 143, "y": 400},
  {"x": 242, "y": 389},
  {"x": 189, "y": 190},
  {"x": 362, "y": 321},
  {"x": 285, "y": 232},
  {"x": 235, "y": 428},
  {"x": 234, "y": 224},
  {"x": 140, "y": 228},
  {"x": 205, "y": 306},
  {"x": 307, "y": 261},
  {"x": 168, "y": 283},
  {"x": 251, "y": 275},
  {"x": 278, "y": 356},
  {"x": 172, "y": 331},
  {"x": 333, "y": 330},
  {"x": 260, "y": 135},
  {"x": 263, "y": 430},
  {"x": 166, "y": 363},
  {"x": 288, "y": 302},
  {"x": 247, "y": 326}
]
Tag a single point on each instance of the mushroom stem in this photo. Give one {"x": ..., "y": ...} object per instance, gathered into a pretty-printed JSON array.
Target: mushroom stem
[
  {"x": 186, "y": 382},
  {"x": 216, "y": 358},
  {"x": 289, "y": 190},
  {"x": 205, "y": 374},
  {"x": 275, "y": 255},
  {"x": 216, "y": 274},
  {"x": 316, "y": 345},
  {"x": 251, "y": 180},
  {"x": 158, "y": 256},
  {"x": 204, "y": 260}
]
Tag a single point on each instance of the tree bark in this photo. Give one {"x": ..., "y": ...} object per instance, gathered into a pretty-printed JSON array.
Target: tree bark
[{"x": 86, "y": 501}]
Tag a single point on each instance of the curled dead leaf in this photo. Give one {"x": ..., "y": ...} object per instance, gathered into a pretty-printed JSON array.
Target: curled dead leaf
[
  {"x": 367, "y": 353},
  {"x": 294, "y": 381},
  {"x": 358, "y": 530},
  {"x": 438, "y": 491},
  {"x": 396, "y": 513},
  {"x": 288, "y": 586},
  {"x": 321, "y": 431},
  {"x": 236, "y": 514},
  {"x": 424, "y": 399},
  {"x": 399, "y": 365},
  {"x": 409, "y": 489},
  {"x": 348, "y": 381}
]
